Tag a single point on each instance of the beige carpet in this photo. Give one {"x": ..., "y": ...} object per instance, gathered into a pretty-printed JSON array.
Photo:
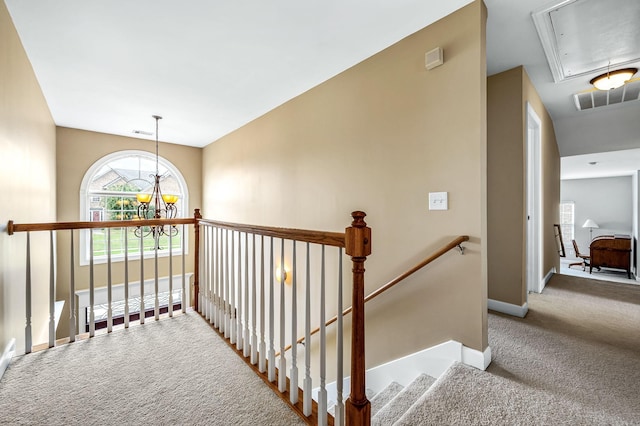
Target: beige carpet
[
  {"x": 580, "y": 342},
  {"x": 574, "y": 360},
  {"x": 171, "y": 372}
]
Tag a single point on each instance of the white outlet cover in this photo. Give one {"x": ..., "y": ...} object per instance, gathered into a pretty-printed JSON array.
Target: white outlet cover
[{"x": 438, "y": 201}]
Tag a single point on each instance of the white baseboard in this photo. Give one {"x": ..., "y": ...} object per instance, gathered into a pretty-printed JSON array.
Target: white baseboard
[
  {"x": 476, "y": 358},
  {"x": 8, "y": 353},
  {"x": 547, "y": 278},
  {"x": 433, "y": 361},
  {"x": 508, "y": 308}
]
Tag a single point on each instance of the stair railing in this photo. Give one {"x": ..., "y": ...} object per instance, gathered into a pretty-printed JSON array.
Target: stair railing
[
  {"x": 129, "y": 289},
  {"x": 457, "y": 242},
  {"x": 244, "y": 296}
]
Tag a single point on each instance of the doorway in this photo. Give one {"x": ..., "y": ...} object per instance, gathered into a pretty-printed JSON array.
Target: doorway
[{"x": 534, "y": 211}]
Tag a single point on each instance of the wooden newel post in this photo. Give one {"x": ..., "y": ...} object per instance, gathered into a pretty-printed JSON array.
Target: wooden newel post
[
  {"x": 358, "y": 246},
  {"x": 196, "y": 258}
]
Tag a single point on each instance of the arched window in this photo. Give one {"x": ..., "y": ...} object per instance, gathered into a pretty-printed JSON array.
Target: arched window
[{"x": 108, "y": 192}]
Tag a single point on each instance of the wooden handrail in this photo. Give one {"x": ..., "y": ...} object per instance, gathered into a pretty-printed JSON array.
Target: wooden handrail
[
  {"x": 59, "y": 226},
  {"x": 335, "y": 239},
  {"x": 453, "y": 244}
]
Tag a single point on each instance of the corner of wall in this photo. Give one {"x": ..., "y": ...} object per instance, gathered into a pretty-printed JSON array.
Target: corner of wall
[{"x": 7, "y": 355}]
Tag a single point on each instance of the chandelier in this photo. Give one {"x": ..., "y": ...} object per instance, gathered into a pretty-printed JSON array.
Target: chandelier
[{"x": 156, "y": 205}]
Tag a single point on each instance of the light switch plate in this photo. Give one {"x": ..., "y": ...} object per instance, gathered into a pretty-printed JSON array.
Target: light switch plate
[{"x": 438, "y": 201}]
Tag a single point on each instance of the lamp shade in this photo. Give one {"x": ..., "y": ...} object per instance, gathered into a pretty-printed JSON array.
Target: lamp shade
[
  {"x": 589, "y": 223},
  {"x": 613, "y": 79}
]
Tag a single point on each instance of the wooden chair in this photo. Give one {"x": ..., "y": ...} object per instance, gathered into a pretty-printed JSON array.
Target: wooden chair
[{"x": 585, "y": 258}]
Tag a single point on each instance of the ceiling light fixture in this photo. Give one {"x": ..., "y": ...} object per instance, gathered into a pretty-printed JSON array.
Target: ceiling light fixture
[
  {"x": 156, "y": 205},
  {"x": 613, "y": 79}
]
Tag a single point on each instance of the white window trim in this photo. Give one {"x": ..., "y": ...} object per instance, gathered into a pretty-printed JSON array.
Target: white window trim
[{"x": 84, "y": 235}]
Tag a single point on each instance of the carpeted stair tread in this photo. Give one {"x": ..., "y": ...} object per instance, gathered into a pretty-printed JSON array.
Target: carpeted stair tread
[
  {"x": 395, "y": 408},
  {"x": 384, "y": 396},
  {"x": 465, "y": 395}
]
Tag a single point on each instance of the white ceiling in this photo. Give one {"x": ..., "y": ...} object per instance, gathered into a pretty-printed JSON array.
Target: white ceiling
[
  {"x": 601, "y": 164},
  {"x": 209, "y": 67},
  {"x": 601, "y": 34}
]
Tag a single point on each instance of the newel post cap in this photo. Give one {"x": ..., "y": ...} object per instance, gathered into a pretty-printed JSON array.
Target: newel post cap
[{"x": 358, "y": 236}]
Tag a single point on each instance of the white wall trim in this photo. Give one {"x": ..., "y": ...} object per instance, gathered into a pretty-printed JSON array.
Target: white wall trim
[
  {"x": 476, "y": 358},
  {"x": 508, "y": 308},
  {"x": 547, "y": 277},
  {"x": 433, "y": 361},
  {"x": 8, "y": 353}
]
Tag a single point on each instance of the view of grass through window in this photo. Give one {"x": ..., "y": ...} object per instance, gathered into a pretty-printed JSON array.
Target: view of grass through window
[{"x": 133, "y": 242}]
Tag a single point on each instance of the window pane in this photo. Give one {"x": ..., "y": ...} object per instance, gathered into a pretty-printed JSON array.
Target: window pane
[
  {"x": 567, "y": 216},
  {"x": 111, "y": 196}
]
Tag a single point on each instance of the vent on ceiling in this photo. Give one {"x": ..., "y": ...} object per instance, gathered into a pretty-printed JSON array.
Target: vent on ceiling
[
  {"x": 142, "y": 132},
  {"x": 599, "y": 98}
]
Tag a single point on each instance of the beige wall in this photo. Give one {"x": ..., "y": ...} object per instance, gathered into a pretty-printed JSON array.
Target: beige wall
[
  {"x": 77, "y": 150},
  {"x": 508, "y": 93},
  {"x": 379, "y": 137},
  {"x": 28, "y": 176}
]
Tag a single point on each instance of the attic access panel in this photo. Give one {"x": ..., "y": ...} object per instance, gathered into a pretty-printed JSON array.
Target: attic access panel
[{"x": 581, "y": 37}]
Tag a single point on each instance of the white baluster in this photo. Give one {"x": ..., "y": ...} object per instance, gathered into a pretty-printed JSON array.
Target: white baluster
[
  {"x": 214, "y": 282},
  {"x": 183, "y": 296},
  {"x": 109, "y": 283},
  {"x": 322, "y": 394},
  {"x": 205, "y": 272},
  {"x": 126, "y": 278},
  {"x": 293, "y": 374},
  {"x": 232, "y": 291},
  {"x": 200, "y": 267},
  {"x": 170, "y": 272},
  {"x": 272, "y": 353},
  {"x": 216, "y": 275},
  {"x": 262, "y": 362},
  {"x": 339, "y": 413},
  {"x": 227, "y": 313},
  {"x": 52, "y": 293},
  {"x": 72, "y": 295},
  {"x": 219, "y": 260},
  {"x": 307, "y": 383},
  {"x": 245, "y": 324},
  {"x": 212, "y": 275},
  {"x": 141, "y": 276},
  {"x": 156, "y": 301},
  {"x": 92, "y": 323},
  {"x": 239, "y": 296},
  {"x": 282, "y": 369},
  {"x": 254, "y": 335},
  {"x": 27, "y": 329}
]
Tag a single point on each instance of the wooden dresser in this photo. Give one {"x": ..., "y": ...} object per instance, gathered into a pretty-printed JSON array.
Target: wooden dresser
[{"x": 611, "y": 251}]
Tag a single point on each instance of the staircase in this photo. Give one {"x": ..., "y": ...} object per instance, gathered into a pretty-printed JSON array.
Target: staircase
[
  {"x": 396, "y": 402},
  {"x": 468, "y": 396}
]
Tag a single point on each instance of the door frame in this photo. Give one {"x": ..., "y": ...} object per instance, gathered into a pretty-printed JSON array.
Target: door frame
[{"x": 533, "y": 245}]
